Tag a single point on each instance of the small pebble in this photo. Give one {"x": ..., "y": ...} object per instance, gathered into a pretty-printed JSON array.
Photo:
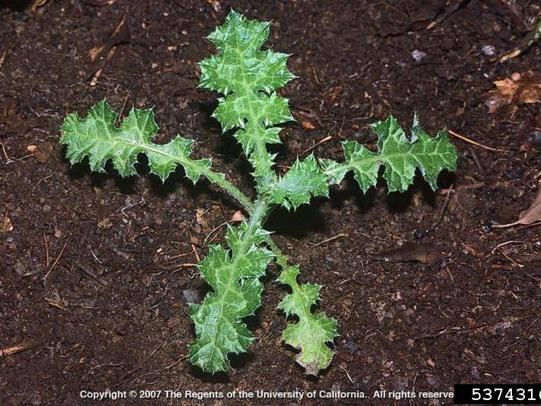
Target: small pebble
[
  {"x": 418, "y": 56},
  {"x": 488, "y": 50}
]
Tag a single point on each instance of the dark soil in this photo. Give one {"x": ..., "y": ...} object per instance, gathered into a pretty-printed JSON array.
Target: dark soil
[{"x": 112, "y": 310}]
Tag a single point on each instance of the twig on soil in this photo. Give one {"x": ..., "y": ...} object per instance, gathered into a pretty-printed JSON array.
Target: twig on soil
[
  {"x": 55, "y": 262},
  {"x": 442, "y": 213},
  {"x": 119, "y": 117},
  {"x": 449, "y": 10},
  {"x": 51, "y": 302},
  {"x": 14, "y": 349},
  {"x": 159, "y": 370},
  {"x": 178, "y": 256},
  {"x": 46, "y": 250},
  {"x": 463, "y": 330},
  {"x": 131, "y": 205},
  {"x": 214, "y": 230},
  {"x": 194, "y": 249},
  {"x": 4, "y": 152},
  {"x": 516, "y": 223},
  {"x": 103, "y": 365},
  {"x": 345, "y": 370},
  {"x": 477, "y": 161},
  {"x": 477, "y": 144},
  {"x": 330, "y": 239},
  {"x": 144, "y": 361},
  {"x": 95, "y": 257},
  {"x": 44, "y": 179},
  {"x": 3, "y": 57},
  {"x": 92, "y": 275},
  {"x": 316, "y": 77},
  {"x": 317, "y": 144},
  {"x": 515, "y": 263},
  {"x": 178, "y": 267},
  {"x": 503, "y": 244},
  {"x": 453, "y": 189}
]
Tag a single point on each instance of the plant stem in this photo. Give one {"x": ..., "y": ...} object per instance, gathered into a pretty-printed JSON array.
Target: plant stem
[
  {"x": 281, "y": 258},
  {"x": 220, "y": 180},
  {"x": 282, "y": 261}
]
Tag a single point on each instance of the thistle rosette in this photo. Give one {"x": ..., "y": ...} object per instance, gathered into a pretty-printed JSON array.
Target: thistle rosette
[{"x": 248, "y": 77}]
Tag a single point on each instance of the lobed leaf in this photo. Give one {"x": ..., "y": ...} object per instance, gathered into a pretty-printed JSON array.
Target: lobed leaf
[
  {"x": 301, "y": 182},
  {"x": 97, "y": 138},
  {"x": 248, "y": 77},
  {"x": 399, "y": 155},
  {"x": 312, "y": 332},
  {"x": 233, "y": 275}
]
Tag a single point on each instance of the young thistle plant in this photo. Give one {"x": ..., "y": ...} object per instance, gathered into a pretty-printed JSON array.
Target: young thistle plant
[{"x": 247, "y": 77}]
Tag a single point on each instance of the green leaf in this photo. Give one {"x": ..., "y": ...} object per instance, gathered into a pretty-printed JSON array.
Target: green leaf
[
  {"x": 248, "y": 78},
  {"x": 241, "y": 64},
  {"x": 268, "y": 135},
  {"x": 399, "y": 155},
  {"x": 301, "y": 182},
  {"x": 312, "y": 332},
  {"x": 233, "y": 275},
  {"x": 263, "y": 110},
  {"x": 97, "y": 138}
]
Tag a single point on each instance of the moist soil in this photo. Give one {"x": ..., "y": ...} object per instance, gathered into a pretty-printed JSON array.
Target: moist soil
[{"x": 97, "y": 271}]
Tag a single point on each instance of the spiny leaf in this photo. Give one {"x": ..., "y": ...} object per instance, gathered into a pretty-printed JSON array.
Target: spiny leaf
[
  {"x": 268, "y": 135},
  {"x": 301, "y": 182},
  {"x": 400, "y": 156},
  {"x": 312, "y": 332},
  {"x": 241, "y": 63},
  {"x": 233, "y": 275},
  {"x": 238, "y": 109},
  {"x": 248, "y": 78},
  {"x": 97, "y": 138}
]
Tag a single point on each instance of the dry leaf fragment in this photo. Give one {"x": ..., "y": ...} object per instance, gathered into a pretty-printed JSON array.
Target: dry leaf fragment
[
  {"x": 307, "y": 124},
  {"x": 199, "y": 217},
  {"x": 37, "y": 4},
  {"x": 516, "y": 90},
  {"x": 95, "y": 51},
  {"x": 529, "y": 216},
  {"x": 41, "y": 153},
  {"x": 306, "y": 120},
  {"x": 215, "y": 5},
  {"x": 6, "y": 225},
  {"x": 427, "y": 254},
  {"x": 237, "y": 217},
  {"x": 104, "y": 224}
]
